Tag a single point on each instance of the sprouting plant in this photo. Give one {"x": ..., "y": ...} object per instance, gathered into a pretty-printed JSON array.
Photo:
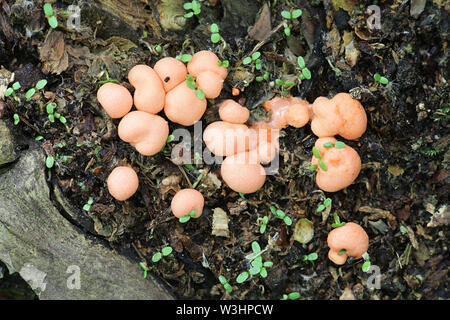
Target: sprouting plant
[
  {"x": 442, "y": 114},
  {"x": 108, "y": 79},
  {"x": 310, "y": 257},
  {"x": 190, "y": 167},
  {"x": 304, "y": 71},
  {"x": 16, "y": 119},
  {"x": 291, "y": 296},
  {"x": 255, "y": 57},
  {"x": 432, "y": 152},
  {"x": 225, "y": 283},
  {"x": 258, "y": 266},
  {"x": 158, "y": 48},
  {"x": 39, "y": 86},
  {"x": 49, "y": 14},
  {"x": 281, "y": 215},
  {"x": 264, "y": 222},
  {"x": 87, "y": 206},
  {"x": 264, "y": 77},
  {"x": 12, "y": 90},
  {"x": 184, "y": 57},
  {"x": 63, "y": 158},
  {"x": 190, "y": 82},
  {"x": 163, "y": 253},
  {"x": 50, "y": 162},
  {"x": 224, "y": 63},
  {"x": 324, "y": 205},
  {"x": 39, "y": 138},
  {"x": 288, "y": 16},
  {"x": 52, "y": 115},
  {"x": 285, "y": 85},
  {"x": 215, "y": 35},
  {"x": 366, "y": 265},
  {"x": 403, "y": 230},
  {"x": 194, "y": 7},
  {"x": 380, "y": 79},
  {"x": 145, "y": 268},
  {"x": 316, "y": 154},
  {"x": 242, "y": 195},
  {"x": 337, "y": 221},
  {"x": 188, "y": 217}
]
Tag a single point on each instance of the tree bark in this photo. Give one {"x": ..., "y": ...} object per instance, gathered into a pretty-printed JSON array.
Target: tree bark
[{"x": 51, "y": 254}]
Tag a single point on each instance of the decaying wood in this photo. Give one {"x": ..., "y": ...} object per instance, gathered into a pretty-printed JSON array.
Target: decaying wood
[{"x": 49, "y": 252}]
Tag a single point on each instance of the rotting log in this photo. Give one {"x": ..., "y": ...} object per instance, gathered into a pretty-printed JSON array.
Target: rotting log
[{"x": 51, "y": 254}]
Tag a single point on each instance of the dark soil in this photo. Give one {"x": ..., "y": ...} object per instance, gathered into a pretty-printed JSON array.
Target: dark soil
[{"x": 405, "y": 150}]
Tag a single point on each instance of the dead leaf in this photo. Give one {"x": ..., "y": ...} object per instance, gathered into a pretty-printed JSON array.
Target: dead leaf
[
  {"x": 412, "y": 237},
  {"x": 441, "y": 217},
  {"x": 396, "y": 170},
  {"x": 303, "y": 231},
  {"x": 53, "y": 53},
  {"x": 220, "y": 223},
  {"x": 347, "y": 5},
  {"x": 347, "y": 294},
  {"x": 334, "y": 42},
  {"x": 262, "y": 26},
  {"x": 170, "y": 184},
  {"x": 421, "y": 232},
  {"x": 379, "y": 213}
]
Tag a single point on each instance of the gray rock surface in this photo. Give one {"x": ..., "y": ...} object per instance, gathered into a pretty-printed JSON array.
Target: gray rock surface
[
  {"x": 7, "y": 145},
  {"x": 51, "y": 254}
]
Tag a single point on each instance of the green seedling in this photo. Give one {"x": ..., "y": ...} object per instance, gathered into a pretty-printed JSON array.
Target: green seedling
[
  {"x": 291, "y": 296},
  {"x": 323, "y": 206},
  {"x": 185, "y": 57},
  {"x": 380, "y": 79},
  {"x": 310, "y": 257},
  {"x": 188, "y": 217},
  {"x": 316, "y": 154},
  {"x": 432, "y": 152},
  {"x": 52, "y": 115},
  {"x": 337, "y": 221},
  {"x": 16, "y": 119},
  {"x": 87, "y": 206},
  {"x": 50, "y": 162},
  {"x": 366, "y": 265},
  {"x": 264, "y": 77},
  {"x": 257, "y": 265},
  {"x": 442, "y": 114},
  {"x": 322, "y": 165},
  {"x": 285, "y": 86},
  {"x": 225, "y": 283},
  {"x": 49, "y": 14},
  {"x": 304, "y": 71},
  {"x": 12, "y": 90},
  {"x": 143, "y": 265},
  {"x": 190, "y": 82},
  {"x": 255, "y": 57},
  {"x": 215, "y": 35},
  {"x": 108, "y": 79},
  {"x": 288, "y": 16},
  {"x": 224, "y": 63},
  {"x": 164, "y": 253},
  {"x": 39, "y": 86},
  {"x": 194, "y": 7},
  {"x": 264, "y": 222},
  {"x": 281, "y": 215}
]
